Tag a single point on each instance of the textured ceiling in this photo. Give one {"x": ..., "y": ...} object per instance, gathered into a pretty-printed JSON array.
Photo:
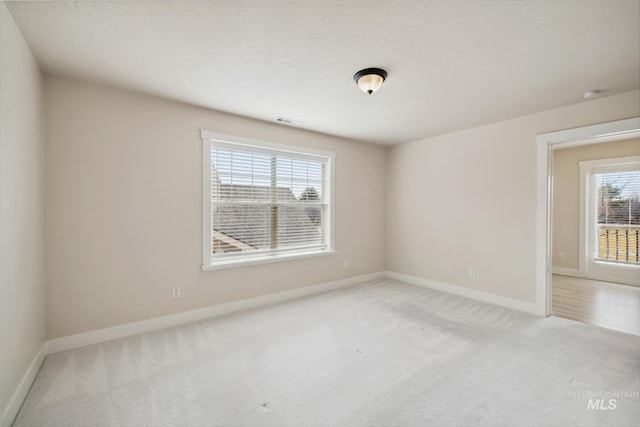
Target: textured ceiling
[{"x": 452, "y": 64}]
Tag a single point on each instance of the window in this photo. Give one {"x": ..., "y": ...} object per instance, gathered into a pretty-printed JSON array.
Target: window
[
  {"x": 617, "y": 207},
  {"x": 610, "y": 219},
  {"x": 264, "y": 202}
]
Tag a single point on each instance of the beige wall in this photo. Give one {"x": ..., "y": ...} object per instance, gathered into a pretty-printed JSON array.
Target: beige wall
[
  {"x": 123, "y": 205},
  {"x": 22, "y": 329},
  {"x": 124, "y": 209},
  {"x": 566, "y": 194},
  {"x": 469, "y": 199}
]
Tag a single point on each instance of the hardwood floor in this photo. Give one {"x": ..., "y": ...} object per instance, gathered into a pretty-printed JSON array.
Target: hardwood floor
[{"x": 609, "y": 305}]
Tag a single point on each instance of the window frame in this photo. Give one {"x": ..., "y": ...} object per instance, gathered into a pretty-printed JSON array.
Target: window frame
[
  {"x": 596, "y": 268},
  {"x": 209, "y": 261}
]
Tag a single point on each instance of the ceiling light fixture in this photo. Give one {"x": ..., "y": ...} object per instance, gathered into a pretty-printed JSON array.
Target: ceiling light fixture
[
  {"x": 591, "y": 94},
  {"x": 370, "y": 79}
]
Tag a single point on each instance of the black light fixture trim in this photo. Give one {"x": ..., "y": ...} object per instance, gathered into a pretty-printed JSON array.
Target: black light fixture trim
[{"x": 377, "y": 71}]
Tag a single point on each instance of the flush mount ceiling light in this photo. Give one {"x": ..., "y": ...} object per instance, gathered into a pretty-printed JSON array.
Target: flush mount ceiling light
[
  {"x": 591, "y": 94},
  {"x": 370, "y": 79}
]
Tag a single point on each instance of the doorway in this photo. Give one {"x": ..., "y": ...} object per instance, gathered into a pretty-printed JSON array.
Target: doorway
[
  {"x": 596, "y": 211},
  {"x": 595, "y": 219},
  {"x": 605, "y": 132}
]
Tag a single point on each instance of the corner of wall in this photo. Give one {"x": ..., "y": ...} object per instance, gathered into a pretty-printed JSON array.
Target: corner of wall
[{"x": 22, "y": 343}]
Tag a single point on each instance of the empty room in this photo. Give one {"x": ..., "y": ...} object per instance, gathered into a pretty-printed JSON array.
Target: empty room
[{"x": 320, "y": 213}]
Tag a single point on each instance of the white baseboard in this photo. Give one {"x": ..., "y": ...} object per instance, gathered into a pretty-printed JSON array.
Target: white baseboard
[
  {"x": 15, "y": 403},
  {"x": 514, "y": 304},
  {"x": 574, "y": 272},
  {"x": 93, "y": 337}
]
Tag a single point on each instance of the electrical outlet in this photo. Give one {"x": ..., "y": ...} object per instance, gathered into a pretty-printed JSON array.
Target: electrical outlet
[
  {"x": 450, "y": 268},
  {"x": 175, "y": 292},
  {"x": 347, "y": 264},
  {"x": 561, "y": 255},
  {"x": 472, "y": 273}
]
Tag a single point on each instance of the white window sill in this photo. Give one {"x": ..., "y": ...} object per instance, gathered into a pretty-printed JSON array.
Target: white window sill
[
  {"x": 264, "y": 259},
  {"x": 621, "y": 264}
]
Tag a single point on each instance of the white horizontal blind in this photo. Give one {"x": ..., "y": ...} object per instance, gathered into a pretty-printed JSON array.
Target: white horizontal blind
[
  {"x": 266, "y": 201},
  {"x": 617, "y": 201}
]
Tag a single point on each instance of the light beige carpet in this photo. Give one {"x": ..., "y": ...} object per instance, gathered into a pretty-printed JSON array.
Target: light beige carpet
[{"x": 382, "y": 353}]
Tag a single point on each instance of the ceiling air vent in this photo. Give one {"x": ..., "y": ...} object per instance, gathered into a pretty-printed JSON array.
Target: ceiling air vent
[{"x": 285, "y": 120}]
